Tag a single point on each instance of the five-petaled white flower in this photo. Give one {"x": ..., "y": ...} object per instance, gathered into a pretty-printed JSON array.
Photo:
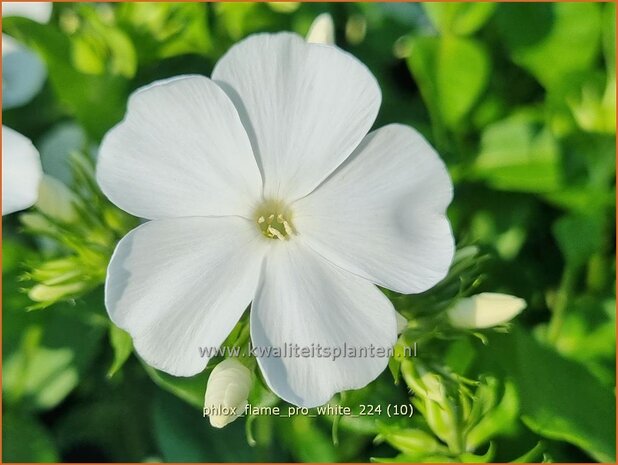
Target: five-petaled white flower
[
  {"x": 263, "y": 186},
  {"x": 23, "y": 72}
]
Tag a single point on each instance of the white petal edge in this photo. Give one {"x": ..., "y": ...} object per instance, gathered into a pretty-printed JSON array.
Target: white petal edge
[
  {"x": 303, "y": 299},
  {"x": 180, "y": 151},
  {"x": 36, "y": 11},
  {"x": 21, "y": 171},
  {"x": 382, "y": 215},
  {"x": 180, "y": 284},
  {"x": 305, "y": 107},
  {"x": 23, "y": 73}
]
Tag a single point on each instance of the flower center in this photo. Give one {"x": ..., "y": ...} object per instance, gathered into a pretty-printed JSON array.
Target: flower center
[{"x": 274, "y": 220}]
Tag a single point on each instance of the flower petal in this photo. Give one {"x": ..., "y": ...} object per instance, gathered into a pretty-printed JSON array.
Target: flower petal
[
  {"x": 180, "y": 151},
  {"x": 305, "y": 107},
  {"x": 382, "y": 214},
  {"x": 180, "y": 284},
  {"x": 21, "y": 172},
  {"x": 305, "y": 300},
  {"x": 23, "y": 73}
]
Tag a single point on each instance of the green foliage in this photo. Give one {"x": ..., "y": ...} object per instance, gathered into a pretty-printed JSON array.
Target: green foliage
[
  {"x": 444, "y": 66},
  {"x": 25, "y": 440},
  {"x": 167, "y": 30},
  {"x": 76, "y": 91},
  {"x": 559, "y": 398},
  {"x": 552, "y": 41},
  {"x": 459, "y": 18},
  {"x": 47, "y": 354},
  {"x": 122, "y": 344},
  {"x": 518, "y": 99},
  {"x": 519, "y": 154}
]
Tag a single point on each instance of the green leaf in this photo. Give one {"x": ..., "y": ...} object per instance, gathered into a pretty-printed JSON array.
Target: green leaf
[
  {"x": 183, "y": 435},
  {"x": 24, "y": 439},
  {"x": 47, "y": 354},
  {"x": 191, "y": 389},
  {"x": 590, "y": 323},
  {"x": 579, "y": 236},
  {"x": 111, "y": 419},
  {"x": 498, "y": 420},
  {"x": 411, "y": 441},
  {"x": 559, "y": 399},
  {"x": 551, "y": 40},
  {"x": 162, "y": 30},
  {"x": 99, "y": 48},
  {"x": 609, "y": 37},
  {"x": 451, "y": 72},
  {"x": 533, "y": 455},
  {"x": 517, "y": 154},
  {"x": 459, "y": 18},
  {"x": 123, "y": 346},
  {"x": 309, "y": 443}
]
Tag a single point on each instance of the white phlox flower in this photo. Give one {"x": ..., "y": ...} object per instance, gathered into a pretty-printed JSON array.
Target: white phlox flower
[
  {"x": 263, "y": 186},
  {"x": 227, "y": 392},
  {"x": 485, "y": 310},
  {"x": 21, "y": 171},
  {"x": 23, "y": 72}
]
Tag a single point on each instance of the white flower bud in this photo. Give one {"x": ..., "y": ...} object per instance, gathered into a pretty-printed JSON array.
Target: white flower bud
[
  {"x": 485, "y": 310},
  {"x": 56, "y": 200},
  {"x": 227, "y": 392},
  {"x": 322, "y": 30}
]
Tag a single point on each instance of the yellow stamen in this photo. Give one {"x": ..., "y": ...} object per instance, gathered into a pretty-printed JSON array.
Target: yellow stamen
[{"x": 274, "y": 220}]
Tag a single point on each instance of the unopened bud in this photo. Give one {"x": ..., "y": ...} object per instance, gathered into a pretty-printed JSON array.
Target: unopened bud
[
  {"x": 322, "y": 30},
  {"x": 56, "y": 200},
  {"x": 485, "y": 310},
  {"x": 227, "y": 392}
]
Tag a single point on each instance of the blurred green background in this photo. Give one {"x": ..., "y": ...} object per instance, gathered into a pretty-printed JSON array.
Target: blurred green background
[{"x": 519, "y": 100}]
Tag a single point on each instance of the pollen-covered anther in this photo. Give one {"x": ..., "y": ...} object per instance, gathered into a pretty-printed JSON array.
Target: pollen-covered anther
[{"x": 274, "y": 220}]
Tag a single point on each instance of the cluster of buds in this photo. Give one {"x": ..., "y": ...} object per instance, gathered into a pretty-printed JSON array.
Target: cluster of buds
[
  {"x": 461, "y": 416},
  {"x": 79, "y": 229}
]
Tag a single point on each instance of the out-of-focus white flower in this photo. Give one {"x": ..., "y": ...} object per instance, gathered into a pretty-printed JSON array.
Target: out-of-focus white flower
[
  {"x": 56, "y": 200},
  {"x": 21, "y": 171},
  {"x": 263, "y": 186},
  {"x": 322, "y": 30},
  {"x": 227, "y": 392},
  {"x": 23, "y": 72},
  {"x": 36, "y": 11},
  {"x": 485, "y": 310}
]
